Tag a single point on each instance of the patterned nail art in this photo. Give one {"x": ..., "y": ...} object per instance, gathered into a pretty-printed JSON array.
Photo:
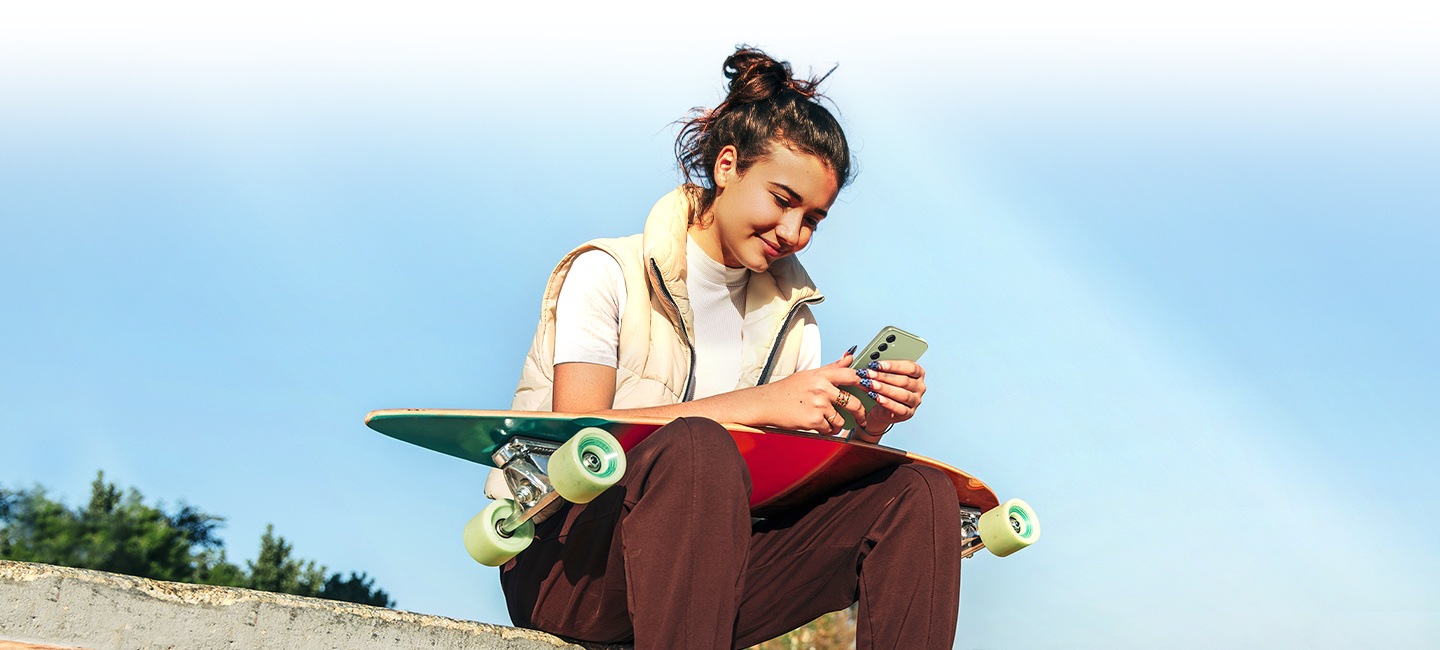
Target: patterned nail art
[
  {"x": 851, "y": 350},
  {"x": 862, "y": 373},
  {"x": 867, "y": 384},
  {"x": 874, "y": 365},
  {"x": 873, "y": 395}
]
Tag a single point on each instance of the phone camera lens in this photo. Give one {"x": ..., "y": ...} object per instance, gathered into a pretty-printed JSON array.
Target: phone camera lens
[
  {"x": 884, "y": 347},
  {"x": 875, "y": 356},
  {"x": 890, "y": 339}
]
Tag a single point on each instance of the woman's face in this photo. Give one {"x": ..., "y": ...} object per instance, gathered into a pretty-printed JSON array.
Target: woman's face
[{"x": 769, "y": 211}]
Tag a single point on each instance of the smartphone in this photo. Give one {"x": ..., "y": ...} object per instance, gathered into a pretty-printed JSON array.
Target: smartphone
[{"x": 892, "y": 343}]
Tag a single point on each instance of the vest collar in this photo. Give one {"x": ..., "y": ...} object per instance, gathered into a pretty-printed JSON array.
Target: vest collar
[{"x": 777, "y": 292}]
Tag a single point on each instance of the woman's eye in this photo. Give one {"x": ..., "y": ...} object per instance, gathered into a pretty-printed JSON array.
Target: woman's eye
[
  {"x": 781, "y": 201},
  {"x": 814, "y": 223}
]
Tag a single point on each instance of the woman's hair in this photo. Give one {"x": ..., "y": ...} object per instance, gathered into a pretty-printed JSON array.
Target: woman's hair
[{"x": 765, "y": 106}]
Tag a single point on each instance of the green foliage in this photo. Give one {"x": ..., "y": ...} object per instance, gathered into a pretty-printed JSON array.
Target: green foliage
[
  {"x": 114, "y": 532},
  {"x": 275, "y": 570},
  {"x": 358, "y": 588},
  {"x": 833, "y": 631},
  {"x": 117, "y": 532}
]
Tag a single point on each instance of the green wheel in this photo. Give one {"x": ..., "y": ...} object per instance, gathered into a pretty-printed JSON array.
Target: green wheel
[
  {"x": 485, "y": 543},
  {"x": 587, "y": 464},
  {"x": 1009, "y": 527}
]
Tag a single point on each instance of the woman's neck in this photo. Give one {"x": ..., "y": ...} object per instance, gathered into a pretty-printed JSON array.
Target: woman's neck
[{"x": 708, "y": 239}]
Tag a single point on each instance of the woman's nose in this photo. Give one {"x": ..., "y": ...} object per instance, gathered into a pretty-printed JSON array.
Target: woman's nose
[{"x": 788, "y": 230}]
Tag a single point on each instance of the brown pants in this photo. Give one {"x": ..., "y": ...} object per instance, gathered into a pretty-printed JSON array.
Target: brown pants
[{"x": 669, "y": 556}]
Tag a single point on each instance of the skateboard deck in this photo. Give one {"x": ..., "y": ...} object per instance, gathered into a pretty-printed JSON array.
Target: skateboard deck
[{"x": 788, "y": 469}]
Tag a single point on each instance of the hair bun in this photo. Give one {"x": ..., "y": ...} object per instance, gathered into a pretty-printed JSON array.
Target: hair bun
[{"x": 756, "y": 76}]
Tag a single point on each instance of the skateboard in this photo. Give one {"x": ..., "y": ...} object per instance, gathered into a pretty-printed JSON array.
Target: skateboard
[{"x": 548, "y": 458}]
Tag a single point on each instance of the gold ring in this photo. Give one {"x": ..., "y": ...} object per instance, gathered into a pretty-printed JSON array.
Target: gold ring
[{"x": 842, "y": 399}]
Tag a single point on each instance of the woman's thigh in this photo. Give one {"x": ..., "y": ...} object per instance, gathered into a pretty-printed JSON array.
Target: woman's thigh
[
  {"x": 573, "y": 580},
  {"x": 809, "y": 562}
]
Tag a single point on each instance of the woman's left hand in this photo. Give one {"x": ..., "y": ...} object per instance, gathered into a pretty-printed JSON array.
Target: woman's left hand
[{"x": 897, "y": 388}]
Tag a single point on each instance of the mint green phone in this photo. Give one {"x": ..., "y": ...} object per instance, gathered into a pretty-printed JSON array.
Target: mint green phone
[{"x": 892, "y": 343}]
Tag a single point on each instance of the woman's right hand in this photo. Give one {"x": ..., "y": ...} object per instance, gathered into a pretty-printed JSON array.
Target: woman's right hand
[{"x": 810, "y": 399}]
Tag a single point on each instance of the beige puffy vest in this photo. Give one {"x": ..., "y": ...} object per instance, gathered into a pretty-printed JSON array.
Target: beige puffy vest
[
  {"x": 655, "y": 357},
  {"x": 655, "y": 324}
]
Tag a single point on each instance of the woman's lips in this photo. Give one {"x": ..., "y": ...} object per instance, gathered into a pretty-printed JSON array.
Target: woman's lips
[{"x": 770, "y": 250}]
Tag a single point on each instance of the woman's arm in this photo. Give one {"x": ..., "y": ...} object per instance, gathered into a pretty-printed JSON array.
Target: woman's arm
[{"x": 804, "y": 400}]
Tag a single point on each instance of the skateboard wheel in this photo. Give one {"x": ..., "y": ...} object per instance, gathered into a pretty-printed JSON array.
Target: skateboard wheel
[
  {"x": 587, "y": 464},
  {"x": 483, "y": 539},
  {"x": 1009, "y": 527}
]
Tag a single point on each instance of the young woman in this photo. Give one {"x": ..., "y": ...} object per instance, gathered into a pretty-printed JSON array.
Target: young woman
[{"x": 704, "y": 317}]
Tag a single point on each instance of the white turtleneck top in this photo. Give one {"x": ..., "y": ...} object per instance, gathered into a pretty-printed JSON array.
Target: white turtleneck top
[{"x": 587, "y": 318}]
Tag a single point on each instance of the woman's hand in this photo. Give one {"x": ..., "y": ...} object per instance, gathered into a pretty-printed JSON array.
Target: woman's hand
[
  {"x": 897, "y": 388},
  {"x": 810, "y": 399}
]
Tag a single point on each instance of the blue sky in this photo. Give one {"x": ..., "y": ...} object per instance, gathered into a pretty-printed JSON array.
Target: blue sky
[{"x": 1175, "y": 267}]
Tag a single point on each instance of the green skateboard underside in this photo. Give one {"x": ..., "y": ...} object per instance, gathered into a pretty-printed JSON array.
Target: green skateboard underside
[{"x": 475, "y": 438}]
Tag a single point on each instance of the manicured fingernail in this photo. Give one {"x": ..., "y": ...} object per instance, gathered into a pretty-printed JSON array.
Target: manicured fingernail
[
  {"x": 874, "y": 365},
  {"x": 851, "y": 350},
  {"x": 873, "y": 395},
  {"x": 862, "y": 373},
  {"x": 867, "y": 384}
]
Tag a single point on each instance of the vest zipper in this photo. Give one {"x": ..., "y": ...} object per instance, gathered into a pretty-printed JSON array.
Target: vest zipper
[
  {"x": 785, "y": 326},
  {"x": 684, "y": 333}
]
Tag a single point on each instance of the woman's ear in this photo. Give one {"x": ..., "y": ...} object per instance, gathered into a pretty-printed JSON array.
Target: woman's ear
[{"x": 727, "y": 166}]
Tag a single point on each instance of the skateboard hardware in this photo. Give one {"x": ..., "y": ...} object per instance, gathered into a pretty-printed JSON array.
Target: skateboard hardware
[
  {"x": 524, "y": 462},
  {"x": 534, "y": 514},
  {"x": 970, "y": 542},
  {"x": 541, "y": 475}
]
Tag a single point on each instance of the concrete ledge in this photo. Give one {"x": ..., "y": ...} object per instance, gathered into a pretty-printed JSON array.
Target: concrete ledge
[{"x": 48, "y": 606}]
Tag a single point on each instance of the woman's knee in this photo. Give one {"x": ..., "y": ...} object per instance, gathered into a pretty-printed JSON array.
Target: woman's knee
[
  {"x": 694, "y": 435},
  {"x": 927, "y": 476},
  {"x": 928, "y": 493},
  {"x": 700, "y": 446}
]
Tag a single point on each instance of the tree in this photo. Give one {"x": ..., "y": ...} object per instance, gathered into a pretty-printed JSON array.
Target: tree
[
  {"x": 274, "y": 569},
  {"x": 117, "y": 532},
  {"x": 358, "y": 588}
]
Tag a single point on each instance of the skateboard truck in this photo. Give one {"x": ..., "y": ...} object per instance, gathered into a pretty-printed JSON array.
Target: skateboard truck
[
  {"x": 525, "y": 462},
  {"x": 541, "y": 475},
  {"x": 970, "y": 542}
]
